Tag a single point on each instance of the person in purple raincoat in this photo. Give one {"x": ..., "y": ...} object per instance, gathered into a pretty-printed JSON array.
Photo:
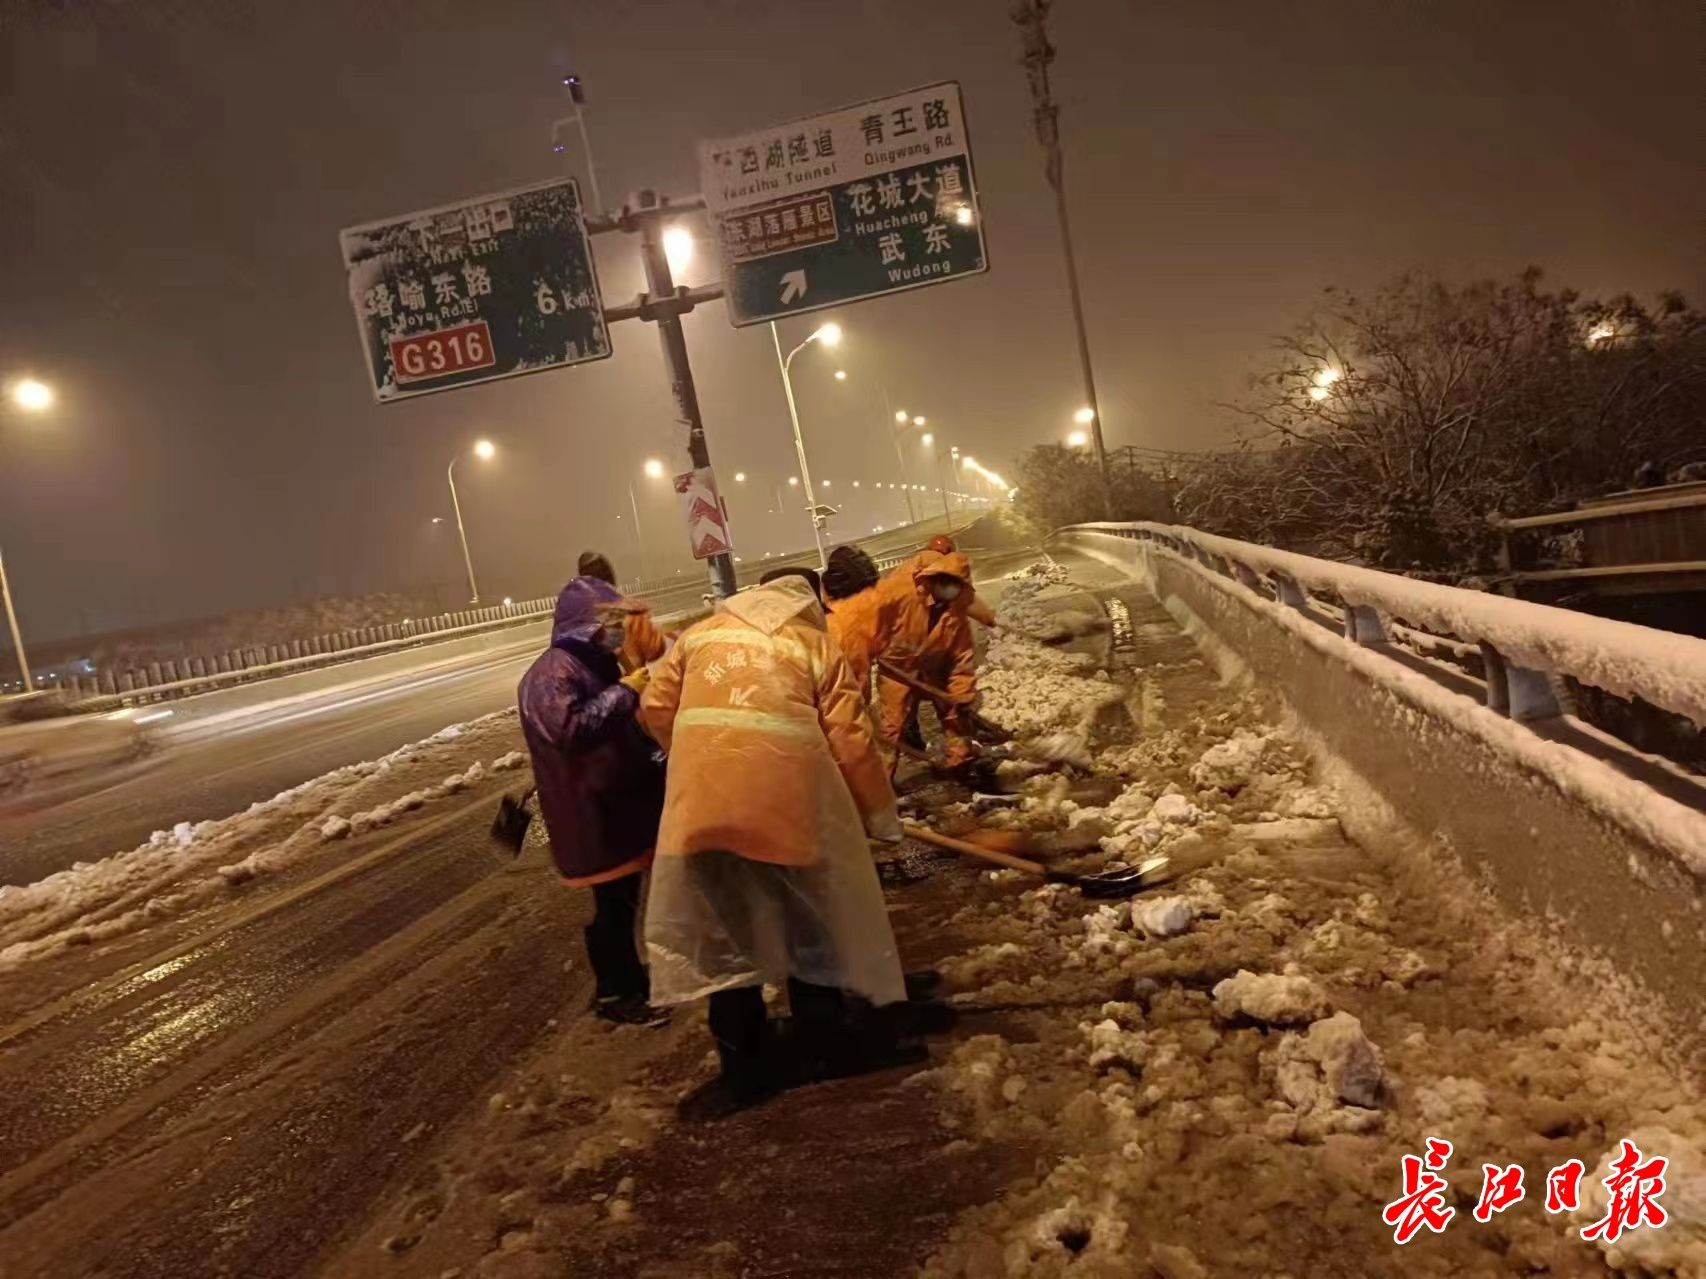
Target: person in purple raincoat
[{"x": 600, "y": 782}]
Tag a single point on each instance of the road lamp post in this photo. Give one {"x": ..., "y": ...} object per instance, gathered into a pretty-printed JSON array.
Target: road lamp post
[
  {"x": 929, "y": 442},
  {"x": 654, "y": 471},
  {"x": 829, "y": 335},
  {"x": 483, "y": 450},
  {"x": 30, "y": 396}
]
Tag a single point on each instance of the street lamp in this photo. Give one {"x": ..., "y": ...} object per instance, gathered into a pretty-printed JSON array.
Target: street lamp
[
  {"x": 32, "y": 395},
  {"x": 1077, "y": 440},
  {"x": 654, "y": 471},
  {"x": 1084, "y": 416},
  {"x": 830, "y": 335},
  {"x": 485, "y": 451},
  {"x": 740, "y": 477},
  {"x": 678, "y": 248}
]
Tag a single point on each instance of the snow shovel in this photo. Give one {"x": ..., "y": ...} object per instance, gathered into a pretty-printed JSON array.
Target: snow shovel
[
  {"x": 987, "y": 727},
  {"x": 1112, "y": 884}
]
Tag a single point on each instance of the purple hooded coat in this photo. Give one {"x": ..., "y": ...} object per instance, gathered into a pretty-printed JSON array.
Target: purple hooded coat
[{"x": 600, "y": 778}]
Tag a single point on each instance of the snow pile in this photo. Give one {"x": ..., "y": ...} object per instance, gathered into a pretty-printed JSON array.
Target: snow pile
[
  {"x": 1162, "y": 916},
  {"x": 1033, "y": 689},
  {"x": 195, "y": 862},
  {"x": 1679, "y": 1247},
  {"x": 1274, "y": 998},
  {"x": 1333, "y": 1079}
]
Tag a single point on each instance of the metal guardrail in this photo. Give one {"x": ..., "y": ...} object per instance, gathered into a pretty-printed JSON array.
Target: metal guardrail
[
  {"x": 398, "y": 636},
  {"x": 1523, "y": 645}
]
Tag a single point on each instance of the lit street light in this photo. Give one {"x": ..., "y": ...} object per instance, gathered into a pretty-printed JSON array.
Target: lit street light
[
  {"x": 654, "y": 469},
  {"x": 32, "y": 395},
  {"x": 901, "y": 416},
  {"x": 484, "y": 450},
  {"x": 927, "y": 439},
  {"x": 1077, "y": 440},
  {"x": 840, "y": 375},
  {"x": 740, "y": 477},
  {"x": 829, "y": 335},
  {"x": 1084, "y": 416},
  {"x": 678, "y": 248},
  {"x": 919, "y": 420}
]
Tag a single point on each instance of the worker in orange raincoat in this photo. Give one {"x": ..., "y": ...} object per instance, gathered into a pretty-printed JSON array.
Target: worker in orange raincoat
[
  {"x": 857, "y": 612},
  {"x": 642, "y": 642},
  {"x": 976, "y": 609},
  {"x": 925, "y": 633},
  {"x": 764, "y": 872}
]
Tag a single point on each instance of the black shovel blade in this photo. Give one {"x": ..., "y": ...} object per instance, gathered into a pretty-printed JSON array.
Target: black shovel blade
[{"x": 1113, "y": 885}]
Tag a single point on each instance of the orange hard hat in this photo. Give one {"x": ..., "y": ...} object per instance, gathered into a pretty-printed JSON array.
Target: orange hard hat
[{"x": 943, "y": 545}]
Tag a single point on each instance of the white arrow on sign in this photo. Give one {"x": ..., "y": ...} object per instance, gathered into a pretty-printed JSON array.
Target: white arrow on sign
[{"x": 793, "y": 285}]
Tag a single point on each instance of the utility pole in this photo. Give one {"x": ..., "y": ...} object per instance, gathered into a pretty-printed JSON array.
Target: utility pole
[{"x": 1031, "y": 17}]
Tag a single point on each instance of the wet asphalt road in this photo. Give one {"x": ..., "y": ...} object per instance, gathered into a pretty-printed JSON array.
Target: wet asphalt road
[
  {"x": 241, "y": 1104},
  {"x": 223, "y": 773}
]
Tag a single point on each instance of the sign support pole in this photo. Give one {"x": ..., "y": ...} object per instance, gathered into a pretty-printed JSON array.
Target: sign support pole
[{"x": 646, "y": 213}]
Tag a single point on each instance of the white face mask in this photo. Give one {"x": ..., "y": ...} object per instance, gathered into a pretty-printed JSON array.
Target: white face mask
[
  {"x": 612, "y": 634},
  {"x": 945, "y": 589}
]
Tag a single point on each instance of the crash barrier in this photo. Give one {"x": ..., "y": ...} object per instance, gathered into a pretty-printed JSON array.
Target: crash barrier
[
  {"x": 163, "y": 681},
  {"x": 1452, "y": 705},
  {"x": 170, "y": 679}
]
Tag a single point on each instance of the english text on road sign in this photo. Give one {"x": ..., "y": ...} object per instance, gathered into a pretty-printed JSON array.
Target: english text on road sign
[
  {"x": 852, "y": 204},
  {"x": 488, "y": 288},
  {"x": 707, "y": 527}
]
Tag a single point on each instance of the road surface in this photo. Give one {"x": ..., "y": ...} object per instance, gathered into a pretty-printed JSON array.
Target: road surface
[
  {"x": 233, "y": 1105},
  {"x": 224, "y": 751}
]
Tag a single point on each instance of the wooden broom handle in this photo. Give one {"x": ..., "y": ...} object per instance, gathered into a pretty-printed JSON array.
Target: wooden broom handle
[{"x": 974, "y": 850}]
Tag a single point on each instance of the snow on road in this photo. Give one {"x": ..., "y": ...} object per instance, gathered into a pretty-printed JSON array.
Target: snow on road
[
  {"x": 1230, "y": 1089},
  {"x": 199, "y": 863}
]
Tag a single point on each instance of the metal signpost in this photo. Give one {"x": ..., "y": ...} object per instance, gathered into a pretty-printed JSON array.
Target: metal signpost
[
  {"x": 868, "y": 200},
  {"x": 475, "y": 291}
]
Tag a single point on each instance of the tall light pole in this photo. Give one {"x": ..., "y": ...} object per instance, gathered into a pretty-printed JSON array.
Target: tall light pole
[
  {"x": 577, "y": 96},
  {"x": 829, "y": 335},
  {"x": 929, "y": 442},
  {"x": 1031, "y": 17},
  {"x": 654, "y": 471},
  {"x": 483, "y": 450},
  {"x": 901, "y": 422},
  {"x": 30, "y": 396}
]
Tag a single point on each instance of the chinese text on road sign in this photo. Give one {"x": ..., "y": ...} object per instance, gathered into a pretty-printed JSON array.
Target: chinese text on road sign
[
  {"x": 707, "y": 526},
  {"x": 488, "y": 288},
  {"x": 852, "y": 204}
]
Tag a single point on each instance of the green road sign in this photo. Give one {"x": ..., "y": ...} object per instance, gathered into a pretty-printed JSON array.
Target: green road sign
[
  {"x": 488, "y": 288},
  {"x": 853, "y": 204}
]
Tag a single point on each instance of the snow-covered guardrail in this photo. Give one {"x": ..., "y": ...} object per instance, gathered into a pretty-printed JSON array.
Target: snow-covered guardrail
[
  {"x": 1443, "y": 708},
  {"x": 1524, "y": 644}
]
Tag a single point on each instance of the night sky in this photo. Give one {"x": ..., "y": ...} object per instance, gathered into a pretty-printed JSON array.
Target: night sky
[{"x": 173, "y": 177}]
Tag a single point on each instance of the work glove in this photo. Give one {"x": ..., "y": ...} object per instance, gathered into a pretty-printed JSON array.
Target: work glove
[{"x": 638, "y": 679}]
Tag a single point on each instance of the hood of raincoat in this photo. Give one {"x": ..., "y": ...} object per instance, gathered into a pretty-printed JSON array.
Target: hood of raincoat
[
  {"x": 770, "y": 607},
  {"x": 577, "y": 620},
  {"x": 934, "y": 564}
]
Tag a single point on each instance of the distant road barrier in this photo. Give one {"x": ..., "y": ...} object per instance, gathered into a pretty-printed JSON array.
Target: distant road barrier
[
  {"x": 167, "y": 680},
  {"x": 160, "y": 681},
  {"x": 1450, "y": 705}
]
